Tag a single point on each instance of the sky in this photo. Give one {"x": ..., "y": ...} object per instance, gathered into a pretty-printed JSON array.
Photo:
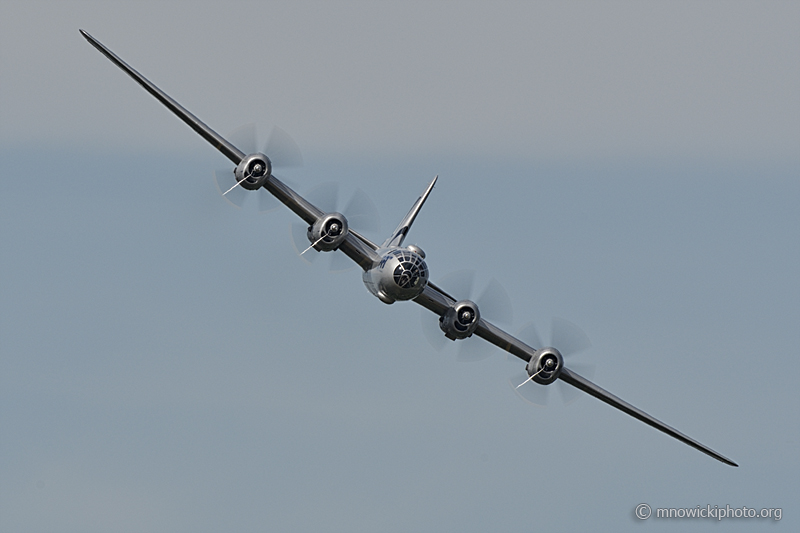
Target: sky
[{"x": 168, "y": 363}]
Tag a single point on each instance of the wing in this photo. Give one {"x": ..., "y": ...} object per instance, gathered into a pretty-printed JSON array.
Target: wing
[
  {"x": 355, "y": 246},
  {"x": 229, "y": 150},
  {"x": 439, "y": 301}
]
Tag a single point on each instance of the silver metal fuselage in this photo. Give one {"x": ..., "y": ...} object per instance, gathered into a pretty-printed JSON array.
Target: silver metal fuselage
[{"x": 401, "y": 275}]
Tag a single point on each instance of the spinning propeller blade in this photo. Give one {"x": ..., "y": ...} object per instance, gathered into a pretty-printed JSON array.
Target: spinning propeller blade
[
  {"x": 361, "y": 213},
  {"x": 572, "y": 340},
  {"x": 285, "y": 149},
  {"x": 493, "y": 303},
  {"x": 569, "y": 339},
  {"x": 227, "y": 187},
  {"x": 282, "y": 151},
  {"x": 246, "y": 138}
]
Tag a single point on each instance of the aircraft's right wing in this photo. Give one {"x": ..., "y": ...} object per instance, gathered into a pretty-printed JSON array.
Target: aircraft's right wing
[
  {"x": 438, "y": 301},
  {"x": 356, "y": 247}
]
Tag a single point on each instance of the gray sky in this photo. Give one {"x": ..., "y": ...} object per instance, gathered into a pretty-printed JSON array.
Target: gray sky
[{"x": 167, "y": 363}]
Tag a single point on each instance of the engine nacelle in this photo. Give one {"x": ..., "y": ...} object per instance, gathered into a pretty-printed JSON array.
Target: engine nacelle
[
  {"x": 545, "y": 366},
  {"x": 328, "y": 233},
  {"x": 253, "y": 171},
  {"x": 460, "y": 321}
]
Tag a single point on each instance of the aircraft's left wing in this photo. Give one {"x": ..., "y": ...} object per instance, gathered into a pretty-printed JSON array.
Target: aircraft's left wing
[{"x": 439, "y": 302}]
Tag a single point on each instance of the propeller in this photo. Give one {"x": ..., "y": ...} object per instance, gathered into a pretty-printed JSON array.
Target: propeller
[
  {"x": 493, "y": 303},
  {"x": 361, "y": 213},
  {"x": 568, "y": 339},
  {"x": 282, "y": 151}
]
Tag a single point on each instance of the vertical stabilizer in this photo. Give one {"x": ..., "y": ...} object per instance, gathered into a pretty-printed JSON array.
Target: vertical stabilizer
[{"x": 399, "y": 235}]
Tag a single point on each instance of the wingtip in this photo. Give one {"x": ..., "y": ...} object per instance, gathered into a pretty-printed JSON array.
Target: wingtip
[
  {"x": 88, "y": 37},
  {"x": 603, "y": 395},
  {"x": 721, "y": 458}
]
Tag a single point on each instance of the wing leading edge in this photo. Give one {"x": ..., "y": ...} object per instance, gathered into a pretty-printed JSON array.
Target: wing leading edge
[
  {"x": 438, "y": 301},
  {"x": 356, "y": 247},
  {"x": 217, "y": 140}
]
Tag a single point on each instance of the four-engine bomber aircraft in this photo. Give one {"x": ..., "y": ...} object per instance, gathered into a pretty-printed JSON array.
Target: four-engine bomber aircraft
[{"x": 394, "y": 272}]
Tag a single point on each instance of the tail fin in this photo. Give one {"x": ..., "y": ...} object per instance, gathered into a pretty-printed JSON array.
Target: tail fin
[{"x": 399, "y": 235}]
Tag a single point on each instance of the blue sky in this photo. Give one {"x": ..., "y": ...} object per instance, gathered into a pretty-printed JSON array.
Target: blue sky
[{"x": 167, "y": 363}]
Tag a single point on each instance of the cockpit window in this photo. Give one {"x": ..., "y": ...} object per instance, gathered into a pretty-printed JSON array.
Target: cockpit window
[{"x": 411, "y": 271}]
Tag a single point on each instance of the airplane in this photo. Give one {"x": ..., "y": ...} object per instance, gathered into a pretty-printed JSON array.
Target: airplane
[{"x": 393, "y": 272}]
